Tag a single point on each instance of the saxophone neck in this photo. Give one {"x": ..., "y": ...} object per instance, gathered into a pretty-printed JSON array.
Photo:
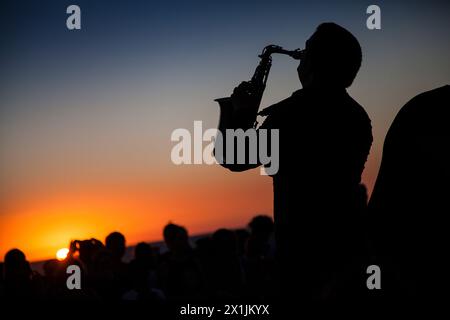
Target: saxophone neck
[{"x": 262, "y": 70}]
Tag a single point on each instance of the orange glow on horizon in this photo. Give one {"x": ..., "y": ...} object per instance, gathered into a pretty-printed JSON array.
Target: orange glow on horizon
[{"x": 43, "y": 223}]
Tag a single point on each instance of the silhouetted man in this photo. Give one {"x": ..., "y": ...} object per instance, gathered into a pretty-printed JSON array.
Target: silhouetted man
[
  {"x": 325, "y": 138},
  {"x": 409, "y": 204}
]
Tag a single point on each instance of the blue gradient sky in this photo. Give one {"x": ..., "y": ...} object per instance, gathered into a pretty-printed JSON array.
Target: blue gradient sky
[{"x": 88, "y": 114}]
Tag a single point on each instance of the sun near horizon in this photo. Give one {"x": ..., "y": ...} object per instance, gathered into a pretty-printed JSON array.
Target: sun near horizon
[{"x": 62, "y": 253}]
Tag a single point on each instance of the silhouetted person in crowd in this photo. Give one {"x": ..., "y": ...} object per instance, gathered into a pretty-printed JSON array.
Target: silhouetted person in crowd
[
  {"x": 226, "y": 278},
  {"x": 180, "y": 273},
  {"x": 115, "y": 244},
  {"x": 95, "y": 273},
  {"x": 409, "y": 204},
  {"x": 242, "y": 236},
  {"x": 19, "y": 280},
  {"x": 142, "y": 271},
  {"x": 144, "y": 255},
  {"x": 325, "y": 138},
  {"x": 55, "y": 277},
  {"x": 260, "y": 272},
  {"x": 259, "y": 244}
]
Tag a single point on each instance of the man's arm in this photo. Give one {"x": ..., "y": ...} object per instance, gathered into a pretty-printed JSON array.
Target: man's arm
[{"x": 240, "y": 145}]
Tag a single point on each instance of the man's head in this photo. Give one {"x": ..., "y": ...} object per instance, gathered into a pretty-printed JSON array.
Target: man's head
[
  {"x": 332, "y": 58},
  {"x": 116, "y": 244},
  {"x": 176, "y": 237},
  {"x": 16, "y": 266},
  {"x": 261, "y": 227}
]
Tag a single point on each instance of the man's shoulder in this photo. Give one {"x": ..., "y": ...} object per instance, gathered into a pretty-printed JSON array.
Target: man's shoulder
[
  {"x": 357, "y": 109},
  {"x": 307, "y": 104}
]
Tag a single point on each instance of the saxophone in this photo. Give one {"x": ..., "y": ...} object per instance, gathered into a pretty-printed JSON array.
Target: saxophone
[{"x": 255, "y": 88}]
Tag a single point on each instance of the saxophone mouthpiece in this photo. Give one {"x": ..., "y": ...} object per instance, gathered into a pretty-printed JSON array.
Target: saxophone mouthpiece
[{"x": 296, "y": 54}]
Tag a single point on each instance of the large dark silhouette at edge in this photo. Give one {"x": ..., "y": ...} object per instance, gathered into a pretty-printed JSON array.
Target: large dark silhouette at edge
[
  {"x": 325, "y": 138},
  {"x": 409, "y": 206}
]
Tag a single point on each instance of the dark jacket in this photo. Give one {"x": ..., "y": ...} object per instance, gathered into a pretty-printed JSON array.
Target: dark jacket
[{"x": 325, "y": 138}]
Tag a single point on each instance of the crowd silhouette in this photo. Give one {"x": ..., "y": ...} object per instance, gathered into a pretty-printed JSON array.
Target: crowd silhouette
[{"x": 227, "y": 265}]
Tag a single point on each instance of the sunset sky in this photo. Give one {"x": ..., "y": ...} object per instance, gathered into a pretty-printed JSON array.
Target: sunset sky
[{"x": 86, "y": 116}]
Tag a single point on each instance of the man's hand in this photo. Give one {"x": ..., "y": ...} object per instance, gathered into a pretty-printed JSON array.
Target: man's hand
[{"x": 245, "y": 103}]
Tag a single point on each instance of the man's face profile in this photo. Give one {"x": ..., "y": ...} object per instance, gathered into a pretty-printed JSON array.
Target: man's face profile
[{"x": 304, "y": 69}]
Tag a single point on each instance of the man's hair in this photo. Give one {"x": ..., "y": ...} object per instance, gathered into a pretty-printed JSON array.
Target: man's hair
[
  {"x": 114, "y": 238},
  {"x": 335, "y": 54},
  {"x": 172, "y": 231}
]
